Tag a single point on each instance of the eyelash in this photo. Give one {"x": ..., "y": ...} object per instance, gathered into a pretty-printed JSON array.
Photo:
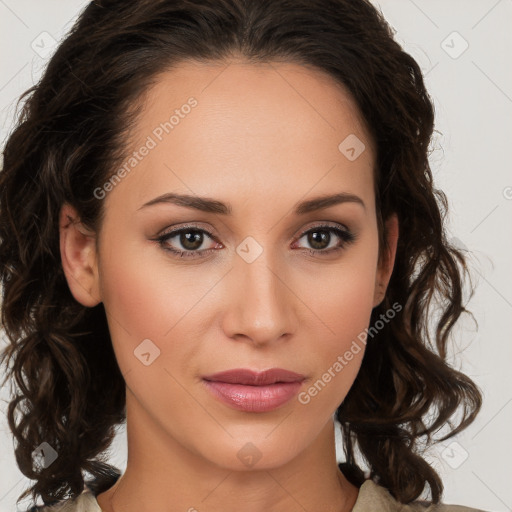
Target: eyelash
[{"x": 346, "y": 236}]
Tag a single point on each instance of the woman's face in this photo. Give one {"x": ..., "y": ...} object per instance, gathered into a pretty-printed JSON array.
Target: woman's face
[{"x": 241, "y": 287}]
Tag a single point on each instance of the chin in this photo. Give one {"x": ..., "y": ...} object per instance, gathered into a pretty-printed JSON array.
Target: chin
[{"x": 253, "y": 451}]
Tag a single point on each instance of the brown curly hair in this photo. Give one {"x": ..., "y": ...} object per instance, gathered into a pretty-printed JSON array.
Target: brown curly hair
[{"x": 71, "y": 134}]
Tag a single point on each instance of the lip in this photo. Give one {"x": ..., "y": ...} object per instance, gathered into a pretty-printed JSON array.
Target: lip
[{"x": 253, "y": 391}]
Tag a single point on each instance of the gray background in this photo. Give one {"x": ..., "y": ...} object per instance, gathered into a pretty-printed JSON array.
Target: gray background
[{"x": 464, "y": 48}]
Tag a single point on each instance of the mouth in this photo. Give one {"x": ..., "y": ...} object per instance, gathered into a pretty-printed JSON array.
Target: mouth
[{"x": 253, "y": 391}]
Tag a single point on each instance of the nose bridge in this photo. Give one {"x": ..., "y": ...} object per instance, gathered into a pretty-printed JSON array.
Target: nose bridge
[{"x": 260, "y": 305}]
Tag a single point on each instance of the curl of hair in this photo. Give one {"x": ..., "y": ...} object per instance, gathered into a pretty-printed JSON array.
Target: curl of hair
[{"x": 71, "y": 134}]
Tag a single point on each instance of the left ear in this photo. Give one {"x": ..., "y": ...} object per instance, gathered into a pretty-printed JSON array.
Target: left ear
[{"x": 387, "y": 262}]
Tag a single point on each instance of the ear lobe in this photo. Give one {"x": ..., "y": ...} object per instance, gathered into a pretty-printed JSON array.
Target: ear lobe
[
  {"x": 388, "y": 260},
  {"x": 78, "y": 256}
]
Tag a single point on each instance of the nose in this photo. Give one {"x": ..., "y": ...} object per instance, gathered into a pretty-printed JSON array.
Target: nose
[{"x": 262, "y": 306}]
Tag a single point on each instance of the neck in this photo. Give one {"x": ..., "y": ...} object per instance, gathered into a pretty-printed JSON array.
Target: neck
[{"x": 162, "y": 474}]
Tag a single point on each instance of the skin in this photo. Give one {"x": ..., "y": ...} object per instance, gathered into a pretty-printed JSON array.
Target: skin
[{"x": 262, "y": 138}]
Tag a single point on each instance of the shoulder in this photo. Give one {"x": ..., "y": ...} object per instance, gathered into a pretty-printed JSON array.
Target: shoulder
[
  {"x": 375, "y": 497},
  {"x": 85, "y": 502}
]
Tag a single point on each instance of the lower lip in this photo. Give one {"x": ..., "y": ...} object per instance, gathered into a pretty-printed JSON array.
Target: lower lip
[{"x": 254, "y": 398}]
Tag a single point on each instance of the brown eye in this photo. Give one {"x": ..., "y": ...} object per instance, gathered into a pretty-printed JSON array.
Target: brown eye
[
  {"x": 320, "y": 238},
  {"x": 191, "y": 240},
  {"x": 188, "y": 243}
]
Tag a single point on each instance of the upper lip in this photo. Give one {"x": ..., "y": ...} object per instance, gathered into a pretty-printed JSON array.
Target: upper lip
[{"x": 255, "y": 378}]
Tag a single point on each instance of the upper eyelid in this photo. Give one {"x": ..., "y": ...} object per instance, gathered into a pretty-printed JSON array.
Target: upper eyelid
[
  {"x": 175, "y": 231},
  {"x": 326, "y": 225},
  {"x": 320, "y": 224},
  {"x": 172, "y": 232}
]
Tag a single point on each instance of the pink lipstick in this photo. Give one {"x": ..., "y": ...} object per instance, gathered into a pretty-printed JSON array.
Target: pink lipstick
[{"x": 254, "y": 391}]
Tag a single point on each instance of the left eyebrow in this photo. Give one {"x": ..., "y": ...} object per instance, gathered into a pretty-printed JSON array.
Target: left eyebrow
[
  {"x": 210, "y": 205},
  {"x": 323, "y": 202}
]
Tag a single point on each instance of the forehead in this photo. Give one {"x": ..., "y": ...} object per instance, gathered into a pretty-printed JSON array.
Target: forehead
[
  {"x": 240, "y": 92},
  {"x": 278, "y": 126}
]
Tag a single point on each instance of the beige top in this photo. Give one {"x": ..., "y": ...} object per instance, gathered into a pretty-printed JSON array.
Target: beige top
[{"x": 371, "y": 498}]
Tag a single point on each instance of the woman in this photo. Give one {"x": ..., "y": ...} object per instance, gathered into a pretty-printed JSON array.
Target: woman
[{"x": 218, "y": 223}]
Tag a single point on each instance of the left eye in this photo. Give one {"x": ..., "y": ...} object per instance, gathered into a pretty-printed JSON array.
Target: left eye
[{"x": 319, "y": 236}]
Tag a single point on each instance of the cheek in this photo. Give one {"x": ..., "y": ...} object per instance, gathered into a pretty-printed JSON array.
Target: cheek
[
  {"x": 149, "y": 314},
  {"x": 340, "y": 353},
  {"x": 146, "y": 298},
  {"x": 336, "y": 358},
  {"x": 347, "y": 296},
  {"x": 344, "y": 302},
  {"x": 344, "y": 296},
  {"x": 146, "y": 290}
]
